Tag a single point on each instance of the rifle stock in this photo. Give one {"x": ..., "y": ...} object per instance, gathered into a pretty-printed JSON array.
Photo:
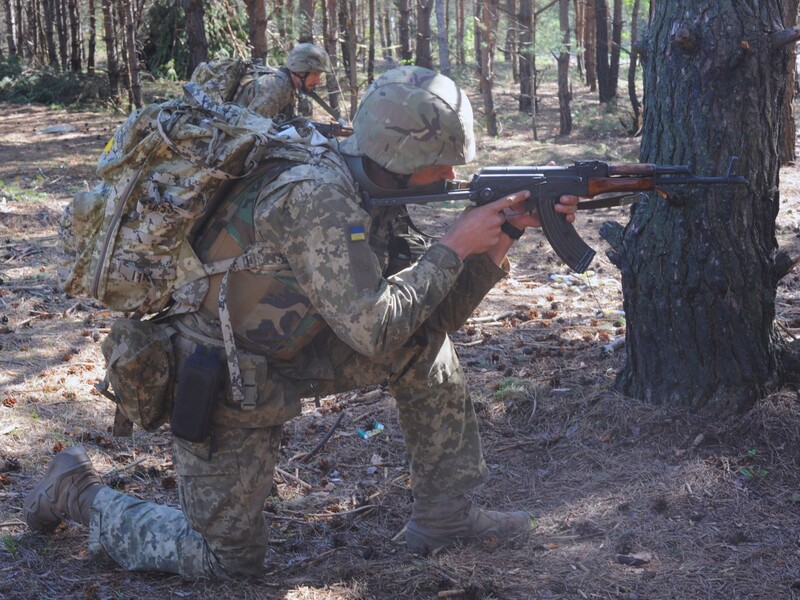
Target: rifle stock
[{"x": 546, "y": 186}]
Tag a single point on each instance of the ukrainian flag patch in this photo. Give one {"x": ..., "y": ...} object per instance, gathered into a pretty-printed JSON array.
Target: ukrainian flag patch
[{"x": 357, "y": 233}]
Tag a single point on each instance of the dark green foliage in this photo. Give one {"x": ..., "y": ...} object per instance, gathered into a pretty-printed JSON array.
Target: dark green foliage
[
  {"x": 46, "y": 86},
  {"x": 163, "y": 36}
]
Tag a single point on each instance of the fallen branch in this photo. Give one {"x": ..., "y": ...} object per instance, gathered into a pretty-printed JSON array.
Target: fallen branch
[
  {"x": 318, "y": 447},
  {"x": 286, "y": 475}
]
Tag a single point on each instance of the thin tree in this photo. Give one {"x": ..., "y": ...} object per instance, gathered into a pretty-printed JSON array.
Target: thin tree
[
  {"x": 526, "y": 56},
  {"x": 788, "y": 123},
  {"x": 128, "y": 23},
  {"x": 441, "y": 27},
  {"x": 60, "y": 18},
  {"x": 257, "y": 27},
  {"x": 424, "y": 58},
  {"x": 636, "y": 106},
  {"x": 195, "y": 32},
  {"x": 489, "y": 9},
  {"x": 616, "y": 47},
  {"x": 700, "y": 273},
  {"x": 461, "y": 13},
  {"x": 564, "y": 91},
  {"x": 11, "y": 29},
  {"x": 329, "y": 29},
  {"x": 50, "y": 32},
  {"x": 110, "y": 39},
  {"x": 601, "y": 47},
  {"x": 75, "y": 36},
  {"x": 347, "y": 35},
  {"x": 92, "y": 37},
  {"x": 404, "y": 30},
  {"x": 590, "y": 45},
  {"x": 371, "y": 43}
]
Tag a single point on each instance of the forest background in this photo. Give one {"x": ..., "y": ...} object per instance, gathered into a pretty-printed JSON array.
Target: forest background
[{"x": 633, "y": 499}]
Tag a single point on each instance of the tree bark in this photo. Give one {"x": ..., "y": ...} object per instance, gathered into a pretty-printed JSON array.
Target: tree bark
[
  {"x": 257, "y": 28},
  {"x": 699, "y": 274},
  {"x": 75, "y": 36},
  {"x": 487, "y": 75},
  {"x": 424, "y": 58},
  {"x": 441, "y": 26},
  {"x": 371, "y": 44},
  {"x": 11, "y": 37},
  {"x": 347, "y": 29},
  {"x": 329, "y": 21},
  {"x": 636, "y": 106},
  {"x": 616, "y": 46},
  {"x": 128, "y": 23},
  {"x": 60, "y": 18},
  {"x": 526, "y": 57},
  {"x": 590, "y": 45},
  {"x": 195, "y": 32},
  {"x": 601, "y": 47},
  {"x": 90, "y": 54},
  {"x": 404, "y": 23},
  {"x": 50, "y": 33},
  {"x": 110, "y": 39},
  {"x": 788, "y": 124},
  {"x": 564, "y": 92}
]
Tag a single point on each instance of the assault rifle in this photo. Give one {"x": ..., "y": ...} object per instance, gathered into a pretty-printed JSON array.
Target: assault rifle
[
  {"x": 586, "y": 179},
  {"x": 332, "y": 129}
]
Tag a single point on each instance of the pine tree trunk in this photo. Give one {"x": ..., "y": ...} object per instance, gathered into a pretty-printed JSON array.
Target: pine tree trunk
[
  {"x": 789, "y": 126},
  {"x": 441, "y": 26},
  {"x": 616, "y": 45},
  {"x": 257, "y": 27},
  {"x": 110, "y": 39},
  {"x": 195, "y": 32},
  {"x": 526, "y": 58},
  {"x": 564, "y": 93},
  {"x": 487, "y": 75},
  {"x": 11, "y": 38},
  {"x": 424, "y": 58},
  {"x": 590, "y": 45},
  {"x": 699, "y": 274},
  {"x": 636, "y": 106},
  {"x": 92, "y": 38},
  {"x": 601, "y": 51},
  {"x": 328, "y": 8},
  {"x": 404, "y": 8},
  {"x": 75, "y": 36}
]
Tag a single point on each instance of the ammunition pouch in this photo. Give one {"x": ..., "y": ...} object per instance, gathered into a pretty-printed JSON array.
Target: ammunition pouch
[{"x": 140, "y": 368}]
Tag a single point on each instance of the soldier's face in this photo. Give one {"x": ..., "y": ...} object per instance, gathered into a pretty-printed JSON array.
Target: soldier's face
[
  {"x": 430, "y": 175},
  {"x": 312, "y": 81}
]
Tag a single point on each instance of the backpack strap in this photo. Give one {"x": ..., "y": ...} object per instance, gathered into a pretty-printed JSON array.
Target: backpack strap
[{"x": 258, "y": 257}]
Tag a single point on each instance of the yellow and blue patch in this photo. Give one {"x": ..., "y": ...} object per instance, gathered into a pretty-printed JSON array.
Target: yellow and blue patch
[{"x": 357, "y": 233}]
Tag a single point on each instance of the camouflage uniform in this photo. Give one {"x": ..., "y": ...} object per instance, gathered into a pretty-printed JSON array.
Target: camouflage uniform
[
  {"x": 358, "y": 328},
  {"x": 268, "y": 94}
]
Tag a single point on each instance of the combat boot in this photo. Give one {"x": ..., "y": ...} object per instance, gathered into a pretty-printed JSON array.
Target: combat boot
[
  {"x": 444, "y": 523},
  {"x": 67, "y": 491}
]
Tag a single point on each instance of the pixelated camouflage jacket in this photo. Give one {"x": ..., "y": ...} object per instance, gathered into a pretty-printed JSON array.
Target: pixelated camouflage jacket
[
  {"x": 335, "y": 252},
  {"x": 268, "y": 94}
]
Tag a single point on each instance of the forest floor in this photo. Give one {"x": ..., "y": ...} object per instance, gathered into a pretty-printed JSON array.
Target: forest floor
[{"x": 631, "y": 501}]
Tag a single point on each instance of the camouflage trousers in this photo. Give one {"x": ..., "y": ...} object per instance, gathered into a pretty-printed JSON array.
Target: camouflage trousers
[{"x": 220, "y": 530}]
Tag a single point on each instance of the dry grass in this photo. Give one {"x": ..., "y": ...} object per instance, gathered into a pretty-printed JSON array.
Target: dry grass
[{"x": 632, "y": 501}]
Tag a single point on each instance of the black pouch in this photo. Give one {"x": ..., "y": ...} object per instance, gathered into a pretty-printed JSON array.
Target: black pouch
[{"x": 198, "y": 383}]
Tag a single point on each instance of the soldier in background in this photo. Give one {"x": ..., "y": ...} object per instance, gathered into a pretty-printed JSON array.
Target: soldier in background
[
  {"x": 275, "y": 91},
  {"x": 334, "y": 320}
]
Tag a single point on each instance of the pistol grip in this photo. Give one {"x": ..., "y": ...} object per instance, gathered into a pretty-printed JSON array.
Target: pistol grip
[{"x": 563, "y": 238}]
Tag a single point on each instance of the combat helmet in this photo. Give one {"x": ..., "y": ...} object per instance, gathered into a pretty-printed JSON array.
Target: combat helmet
[
  {"x": 308, "y": 57},
  {"x": 411, "y": 118}
]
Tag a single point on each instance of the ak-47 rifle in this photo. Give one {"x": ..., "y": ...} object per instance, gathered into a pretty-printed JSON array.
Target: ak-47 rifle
[
  {"x": 587, "y": 179},
  {"x": 330, "y": 130}
]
